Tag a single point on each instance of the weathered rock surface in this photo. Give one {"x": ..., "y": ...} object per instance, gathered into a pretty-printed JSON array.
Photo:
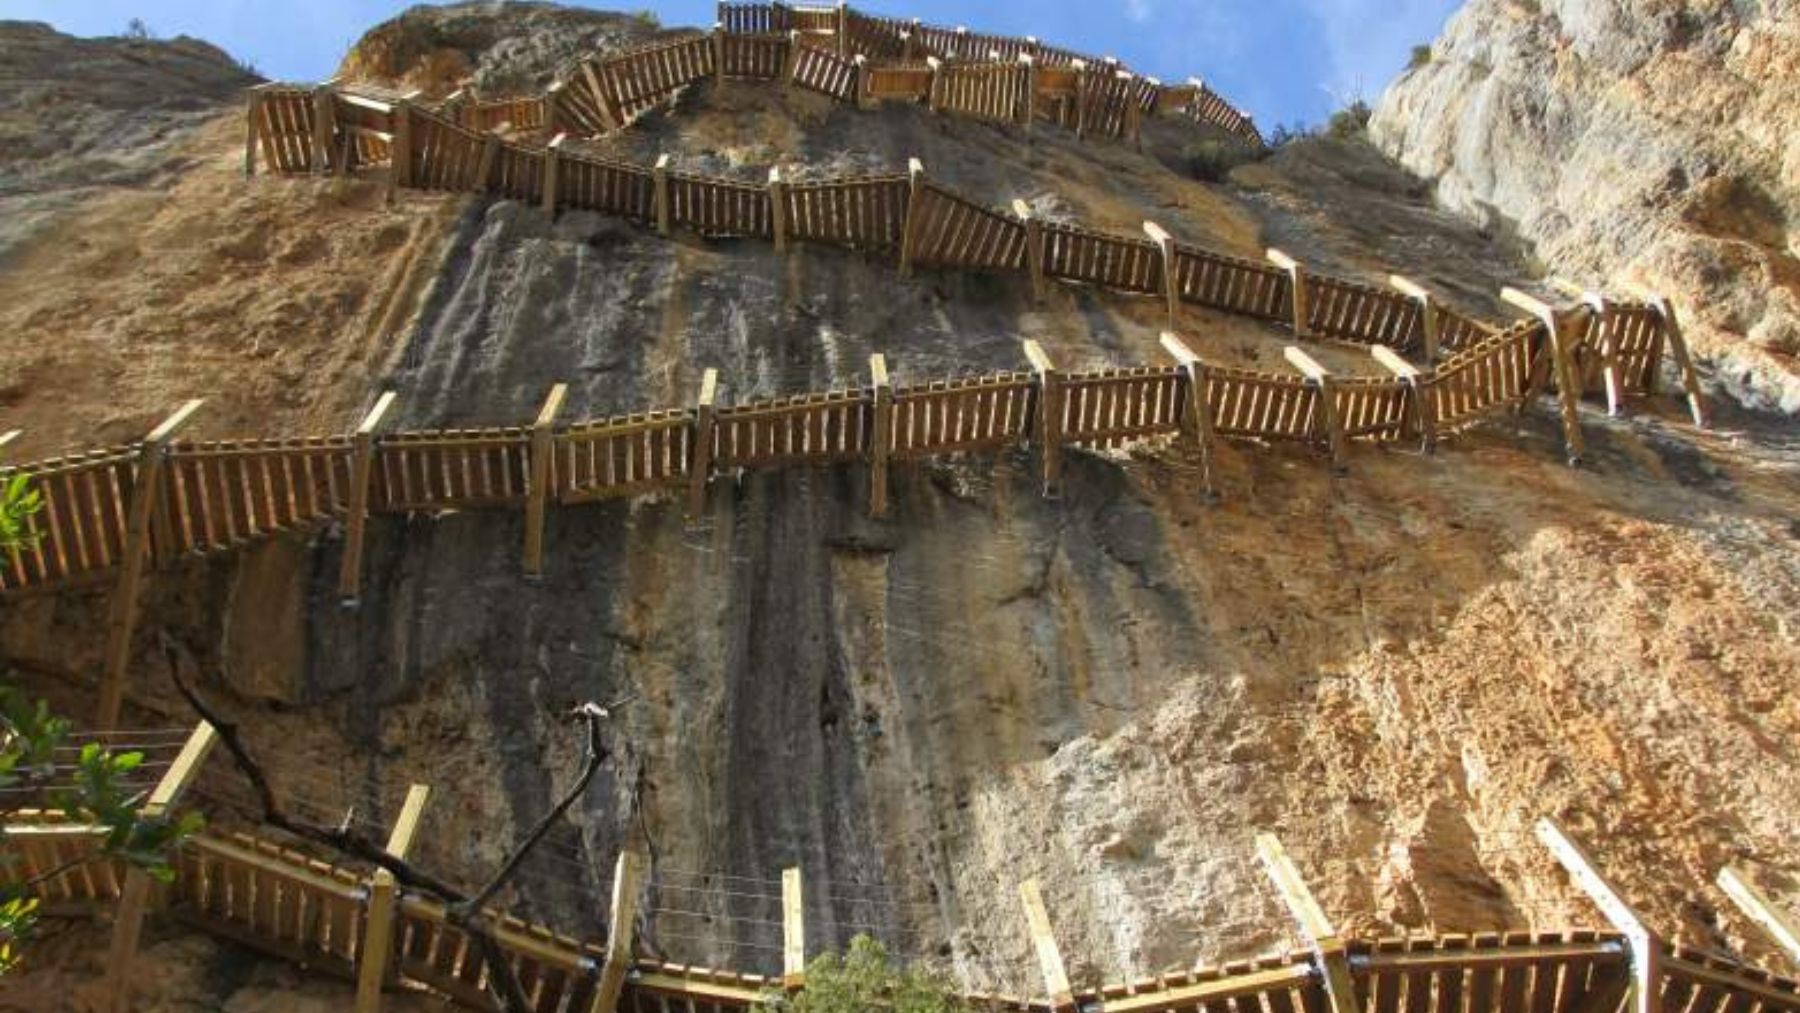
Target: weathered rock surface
[{"x": 1647, "y": 140}]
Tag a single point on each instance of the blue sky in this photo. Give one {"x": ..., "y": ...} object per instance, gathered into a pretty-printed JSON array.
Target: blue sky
[{"x": 1287, "y": 61}]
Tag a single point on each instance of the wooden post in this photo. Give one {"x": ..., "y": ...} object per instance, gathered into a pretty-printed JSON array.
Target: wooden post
[
  {"x": 882, "y": 437},
  {"x": 324, "y": 110},
  {"x": 699, "y": 470},
  {"x": 1043, "y": 940},
  {"x": 933, "y": 100},
  {"x": 660, "y": 176},
  {"x": 378, "y": 936},
  {"x": 490, "y": 157},
  {"x": 1049, "y": 415},
  {"x": 1134, "y": 112},
  {"x": 1165, "y": 246},
  {"x": 143, "y": 510},
  {"x": 1561, "y": 352},
  {"x": 1424, "y": 412},
  {"x": 778, "y": 208},
  {"x": 134, "y": 897},
  {"x": 613, "y": 118},
  {"x": 1034, "y": 248},
  {"x": 793, "y": 929},
  {"x": 1609, "y": 355},
  {"x": 1029, "y": 106},
  {"x": 1196, "y": 407},
  {"x": 1684, "y": 362},
  {"x": 552, "y": 155},
  {"x": 843, "y": 29},
  {"x": 627, "y": 877},
  {"x": 1081, "y": 89},
  {"x": 1328, "y": 410},
  {"x": 1646, "y": 948},
  {"x": 1297, "y": 280},
  {"x": 252, "y": 113},
  {"x": 356, "y": 520},
  {"x": 543, "y": 434},
  {"x": 906, "y": 43},
  {"x": 859, "y": 97},
  {"x": 1328, "y": 947},
  {"x": 1428, "y": 316},
  {"x": 1759, "y": 909},
  {"x": 718, "y": 48},
  {"x": 400, "y": 150},
  {"x": 909, "y": 235}
]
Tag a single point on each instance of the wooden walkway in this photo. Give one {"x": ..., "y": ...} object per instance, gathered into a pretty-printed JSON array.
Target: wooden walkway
[{"x": 355, "y": 923}]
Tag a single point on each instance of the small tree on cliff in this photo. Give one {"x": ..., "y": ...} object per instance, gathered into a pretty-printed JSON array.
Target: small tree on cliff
[
  {"x": 36, "y": 772},
  {"x": 862, "y": 979}
]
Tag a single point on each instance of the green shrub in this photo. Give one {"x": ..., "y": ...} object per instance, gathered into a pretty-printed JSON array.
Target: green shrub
[
  {"x": 1350, "y": 121},
  {"x": 1212, "y": 161},
  {"x": 861, "y": 980},
  {"x": 1421, "y": 55}
]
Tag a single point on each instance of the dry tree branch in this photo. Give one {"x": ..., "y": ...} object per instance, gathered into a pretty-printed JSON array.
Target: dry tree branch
[{"x": 460, "y": 909}]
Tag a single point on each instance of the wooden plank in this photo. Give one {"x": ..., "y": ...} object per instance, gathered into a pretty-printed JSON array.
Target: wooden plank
[
  {"x": 362, "y": 469},
  {"x": 1034, "y": 247},
  {"x": 882, "y": 437},
  {"x": 400, "y": 150},
  {"x": 1646, "y": 947},
  {"x": 377, "y": 942},
  {"x": 543, "y": 433},
  {"x": 1196, "y": 407},
  {"x": 702, "y": 442},
  {"x": 1319, "y": 377},
  {"x": 1560, "y": 325},
  {"x": 406, "y": 825},
  {"x": 627, "y": 879},
  {"x": 324, "y": 114},
  {"x": 660, "y": 182},
  {"x": 1419, "y": 402},
  {"x": 145, "y": 505},
  {"x": 252, "y": 111},
  {"x": 1297, "y": 284},
  {"x": 182, "y": 771},
  {"x": 1049, "y": 411},
  {"x": 1428, "y": 314},
  {"x": 1043, "y": 940},
  {"x": 909, "y": 235},
  {"x": 552, "y": 160},
  {"x": 778, "y": 209},
  {"x": 1165, "y": 248},
  {"x": 1756, "y": 906},
  {"x": 793, "y": 930},
  {"x": 1328, "y": 948}
]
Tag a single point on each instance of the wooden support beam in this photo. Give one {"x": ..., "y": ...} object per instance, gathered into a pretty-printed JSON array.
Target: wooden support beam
[
  {"x": 324, "y": 117},
  {"x": 252, "y": 113},
  {"x": 372, "y": 963},
  {"x": 1165, "y": 246},
  {"x": 552, "y": 180},
  {"x": 142, "y": 515},
  {"x": 1049, "y": 415},
  {"x": 1779, "y": 924},
  {"x": 778, "y": 209},
  {"x": 859, "y": 92},
  {"x": 627, "y": 878},
  {"x": 537, "y": 489},
  {"x": 1297, "y": 279},
  {"x": 701, "y": 467},
  {"x": 1646, "y": 948},
  {"x": 1043, "y": 940},
  {"x": 1197, "y": 420},
  {"x": 660, "y": 176},
  {"x": 1560, "y": 326},
  {"x": 490, "y": 157},
  {"x": 134, "y": 897},
  {"x": 843, "y": 29},
  {"x": 933, "y": 96},
  {"x": 1081, "y": 89},
  {"x": 793, "y": 928},
  {"x": 1678, "y": 350},
  {"x": 793, "y": 60},
  {"x": 356, "y": 520},
  {"x": 909, "y": 235},
  {"x": 1328, "y": 947},
  {"x": 1320, "y": 378},
  {"x": 8, "y": 437},
  {"x": 1428, "y": 315},
  {"x": 1419, "y": 401},
  {"x": 718, "y": 48},
  {"x": 614, "y": 119},
  {"x": 1034, "y": 247},
  {"x": 883, "y": 435},
  {"x": 1134, "y": 112},
  {"x": 400, "y": 150},
  {"x": 1029, "y": 110}
]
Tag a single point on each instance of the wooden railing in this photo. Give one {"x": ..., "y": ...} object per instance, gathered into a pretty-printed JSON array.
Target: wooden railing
[{"x": 356, "y": 925}]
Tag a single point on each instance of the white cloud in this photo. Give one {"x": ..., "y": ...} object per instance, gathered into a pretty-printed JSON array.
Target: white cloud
[{"x": 1138, "y": 10}]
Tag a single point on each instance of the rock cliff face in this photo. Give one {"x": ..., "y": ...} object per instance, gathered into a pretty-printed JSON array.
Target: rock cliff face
[
  {"x": 1654, "y": 140},
  {"x": 1112, "y": 690}
]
